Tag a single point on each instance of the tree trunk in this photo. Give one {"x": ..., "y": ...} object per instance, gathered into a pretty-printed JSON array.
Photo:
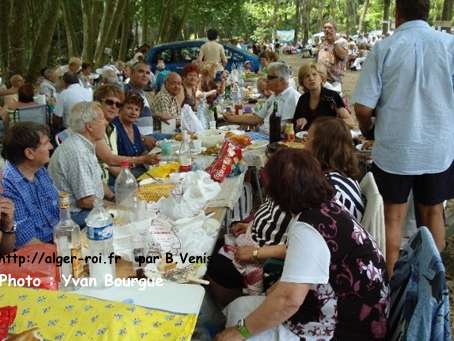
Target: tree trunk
[
  {"x": 5, "y": 9},
  {"x": 447, "y": 10},
  {"x": 17, "y": 45},
  {"x": 146, "y": 21},
  {"x": 387, "y": 5},
  {"x": 306, "y": 20},
  {"x": 87, "y": 30},
  {"x": 40, "y": 51},
  {"x": 275, "y": 19},
  {"x": 363, "y": 16},
  {"x": 103, "y": 28},
  {"x": 71, "y": 37},
  {"x": 297, "y": 20},
  {"x": 119, "y": 14}
]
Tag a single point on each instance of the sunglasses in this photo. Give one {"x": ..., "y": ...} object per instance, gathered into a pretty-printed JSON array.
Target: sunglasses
[
  {"x": 109, "y": 102},
  {"x": 270, "y": 78}
]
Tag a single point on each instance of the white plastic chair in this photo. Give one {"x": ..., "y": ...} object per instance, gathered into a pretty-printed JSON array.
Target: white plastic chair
[
  {"x": 36, "y": 113},
  {"x": 374, "y": 215}
]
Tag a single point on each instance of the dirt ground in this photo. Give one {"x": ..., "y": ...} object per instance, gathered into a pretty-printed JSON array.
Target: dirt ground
[{"x": 349, "y": 84}]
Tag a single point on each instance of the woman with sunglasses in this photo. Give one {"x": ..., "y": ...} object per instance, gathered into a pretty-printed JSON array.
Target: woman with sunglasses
[{"x": 111, "y": 98}]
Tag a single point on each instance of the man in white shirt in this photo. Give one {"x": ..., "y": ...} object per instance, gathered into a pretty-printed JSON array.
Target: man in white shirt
[
  {"x": 278, "y": 79},
  {"x": 74, "y": 93}
]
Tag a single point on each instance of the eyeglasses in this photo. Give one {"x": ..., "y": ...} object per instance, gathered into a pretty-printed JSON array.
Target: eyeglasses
[
  {"x": 270, "y": 78},
  {"x": 109, "y": 102}
]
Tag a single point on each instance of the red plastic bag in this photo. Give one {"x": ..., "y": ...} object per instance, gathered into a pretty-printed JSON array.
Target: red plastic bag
[
  {"x": 7, "y": 317},
  {"x": 33, "y": 265}
]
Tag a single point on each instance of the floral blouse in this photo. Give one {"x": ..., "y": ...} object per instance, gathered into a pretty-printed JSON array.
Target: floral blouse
[{"x": 354, "y": 304}]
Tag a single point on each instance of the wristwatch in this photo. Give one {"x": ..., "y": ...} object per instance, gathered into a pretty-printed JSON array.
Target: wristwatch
[
  {"x": 241, "y": 327},
  {"x": 255, "y": 254},
  {"x": 13, "y": 230}
]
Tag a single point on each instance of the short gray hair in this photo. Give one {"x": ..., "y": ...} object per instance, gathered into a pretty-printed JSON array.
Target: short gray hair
[
  {"x": 83, "y": 113},
  {"x": 280, "y": 69}
]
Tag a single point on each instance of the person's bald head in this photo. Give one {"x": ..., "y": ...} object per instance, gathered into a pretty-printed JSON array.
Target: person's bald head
[{"x": 173, "y": 83}]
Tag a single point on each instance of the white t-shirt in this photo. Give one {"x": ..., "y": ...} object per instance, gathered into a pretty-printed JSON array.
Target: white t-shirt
[
  {"x": 286, "y": 105},
  {"x": 308, "y": 257},
  {"x": 69, "y": 97}
]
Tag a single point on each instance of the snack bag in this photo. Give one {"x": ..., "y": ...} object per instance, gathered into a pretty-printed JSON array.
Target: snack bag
[
  {"x": 222, "y": 166},
  {"x": 7, "y": 317}
]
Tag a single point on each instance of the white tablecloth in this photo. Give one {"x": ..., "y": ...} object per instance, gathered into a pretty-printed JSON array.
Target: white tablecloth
[{"x": 230, "y": 192}]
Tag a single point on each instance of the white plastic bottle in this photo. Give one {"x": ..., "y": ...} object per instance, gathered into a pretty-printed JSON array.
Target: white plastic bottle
[
  {"x": 100, "y": 244},
  {"x": 125, "y": 193},
  {"x": 185, "y": 154}
]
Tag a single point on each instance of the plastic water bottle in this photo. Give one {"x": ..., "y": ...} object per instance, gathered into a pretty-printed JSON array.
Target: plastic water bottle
[
  {"x": 100, "y": 244},
  {"x": 185, "y": 153},
  {"x": 202, "y": 113},
  {"x": 125, "y": 193}
]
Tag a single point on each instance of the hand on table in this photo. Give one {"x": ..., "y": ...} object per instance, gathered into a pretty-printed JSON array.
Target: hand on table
[
  {"x": 229, "y": 334},
  {"x": 239, "y": 228},
  {"x": 301, "y": 122},
  {"x": 151, "y": 159},
  {"x": 243, "y": 254}
]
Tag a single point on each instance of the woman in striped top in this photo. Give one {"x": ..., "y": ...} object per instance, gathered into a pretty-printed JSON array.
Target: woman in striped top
[{"x": 330, "y": 142}]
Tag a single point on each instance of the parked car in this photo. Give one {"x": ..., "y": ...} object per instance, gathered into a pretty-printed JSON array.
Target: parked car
[{"x": 177, "y": 54}]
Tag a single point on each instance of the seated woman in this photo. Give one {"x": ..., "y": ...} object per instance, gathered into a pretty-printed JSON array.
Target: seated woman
[
  {"x": 25, "y": 96},
  {"x": 111, "y": 98},
  {"x": 189, "y": 93},
  {"x": 211, "y": 86},
  {"x": 317, "y": 100},
  {"x": 334, "y": 283},
  {"x": 129, "y": 140},
  {"x": 330, "y": 142}
]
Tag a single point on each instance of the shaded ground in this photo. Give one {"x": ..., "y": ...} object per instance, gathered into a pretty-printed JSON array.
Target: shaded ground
[{"x": 349, "y": 84}]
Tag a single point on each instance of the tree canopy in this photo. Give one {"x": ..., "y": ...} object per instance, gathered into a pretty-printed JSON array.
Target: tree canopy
[{"x": 36, "y": 33}]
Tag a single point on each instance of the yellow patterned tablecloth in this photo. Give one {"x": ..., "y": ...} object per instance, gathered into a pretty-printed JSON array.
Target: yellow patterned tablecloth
[{"x": 65, "y": 316}]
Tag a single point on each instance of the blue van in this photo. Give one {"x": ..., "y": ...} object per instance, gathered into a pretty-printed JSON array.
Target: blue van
[{"x": 177, "y": 54}]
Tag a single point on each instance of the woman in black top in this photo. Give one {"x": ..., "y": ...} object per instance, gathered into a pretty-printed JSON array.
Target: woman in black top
[{"x": 317, "y": 101}]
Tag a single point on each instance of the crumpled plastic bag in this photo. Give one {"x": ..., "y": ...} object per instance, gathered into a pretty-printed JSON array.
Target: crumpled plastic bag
[
  {"x": 189, "y": 120},
  {"x": 193, "y": 191}
]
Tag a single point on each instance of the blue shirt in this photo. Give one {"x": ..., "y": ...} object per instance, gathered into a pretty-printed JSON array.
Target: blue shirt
[
  {"x": 36, "y": 209},
  {"x": 125, "y": 146},
  {"x": 409, "y": 79}
]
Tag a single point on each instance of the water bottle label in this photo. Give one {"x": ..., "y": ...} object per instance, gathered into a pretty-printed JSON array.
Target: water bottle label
[{"x": 100, "y": 233}]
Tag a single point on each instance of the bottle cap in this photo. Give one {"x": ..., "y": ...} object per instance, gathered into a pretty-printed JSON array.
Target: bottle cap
[
  {"x": 124, "y": 164},
  {"x": 64, "y": 200}
]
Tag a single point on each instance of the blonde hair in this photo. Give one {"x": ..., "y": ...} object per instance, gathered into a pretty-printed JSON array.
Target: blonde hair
[
  {"x": 208, "y": 69},
  {"x": 307, "y": 68},
  {"x": 75, "y": 61}
]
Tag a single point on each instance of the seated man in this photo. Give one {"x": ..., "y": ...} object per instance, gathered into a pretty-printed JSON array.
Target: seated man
[
  {"x": 165, "y": 104},
  {"x": 74, "y": 166},
  {"x": 26, "y": 182},
  {"x": 285, "y": 96},
  {"x": 74, "y": 93}
]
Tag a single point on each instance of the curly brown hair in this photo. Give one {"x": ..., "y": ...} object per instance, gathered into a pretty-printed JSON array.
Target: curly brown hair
[
  {"x": 296, "y": 181},
  {"x": 332, "y": 146},
  {"x": 134, "y": 98}
]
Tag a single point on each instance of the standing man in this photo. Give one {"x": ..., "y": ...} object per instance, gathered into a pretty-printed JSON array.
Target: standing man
[
  {"x": 212, "y": 51},
  {"x": 333, "y": 54},
  {"x": 408, "y": 84}
]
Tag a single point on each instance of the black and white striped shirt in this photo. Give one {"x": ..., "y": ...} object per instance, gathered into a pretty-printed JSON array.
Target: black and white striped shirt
[
  {"x": 270, "y": 224},
  {"x": 348, "y": 194}
]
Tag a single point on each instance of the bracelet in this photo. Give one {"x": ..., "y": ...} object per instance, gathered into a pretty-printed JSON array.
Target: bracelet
[{"x": 242, "y": 329}]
